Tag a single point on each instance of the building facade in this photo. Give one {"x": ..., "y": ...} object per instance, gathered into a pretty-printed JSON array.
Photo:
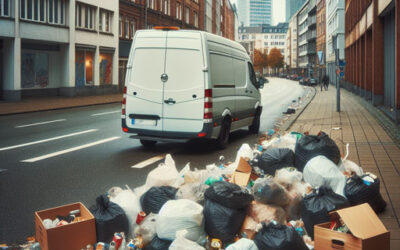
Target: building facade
[
  {"x": 311, "y": 38},
  {"x": 291, "y": 46},
  {"x": 265, "y": 37},
  {"x": 58, "y": 47},
  {"x": 243, "y": 12},
  {"x": 302, "y": 42},
  {"x": 321, "y": 38},
  {"x": 335, "y": 20},
  {"x": 260, "y": 12},
  {"x": 373, "y": 53},
  {"x": 292, "y": 6}
]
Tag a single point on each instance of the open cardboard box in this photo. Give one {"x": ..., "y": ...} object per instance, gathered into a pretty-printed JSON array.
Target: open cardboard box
[
  {"x": 367, "y": 231},
  {"x": 242, "y": 174},
  {"x": 76, "y": 235}
]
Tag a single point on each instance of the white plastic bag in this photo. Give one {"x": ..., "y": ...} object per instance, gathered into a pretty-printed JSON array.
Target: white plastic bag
[
  {"x": 176, "y": 215},
  {"x": 320, "y": 171},
  {"x": 283, "y": 141},
  {"x": 192, "y": 191},
  {"x": 129, "y": 202},
  {"x": 350, "y": 167},
  {"x": 181, "y": 243},
  {"x": 243, "y": 244},
  {"x": 244, "y": 151},
  {"x": 163, "y": 175}
]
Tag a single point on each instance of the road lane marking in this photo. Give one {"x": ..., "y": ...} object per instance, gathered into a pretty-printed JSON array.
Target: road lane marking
[
  {"x": 71, "y": 149},
  {"x": 107, "y": 113},
  {"x": 150, "y": 161},
  {"x": 49, "y": 139},
  {"x": 39, "y": 123}
]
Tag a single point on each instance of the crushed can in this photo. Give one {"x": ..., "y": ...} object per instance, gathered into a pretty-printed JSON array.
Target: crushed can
[
  {"x": 140, "y": 217},
  {"x": 100, "y": 246},
  {"x": 216, "y": 244},
  {"x": 118, "y": 237}
]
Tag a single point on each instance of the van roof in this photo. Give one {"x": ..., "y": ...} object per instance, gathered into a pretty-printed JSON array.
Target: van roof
[{"x": 206, "y": 35}]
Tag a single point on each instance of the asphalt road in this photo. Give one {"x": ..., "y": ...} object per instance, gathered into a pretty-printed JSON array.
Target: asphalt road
[{"x": 63, "y": 156}]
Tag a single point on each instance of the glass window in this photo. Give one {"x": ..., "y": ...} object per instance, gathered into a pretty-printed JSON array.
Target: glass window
[
  {"x": 5, "y": 8},
  {"x": 252, "y": 75},
  {"x": 85, "y": 16},
  {"x": 106, "y": 68},
  {"x": 187, "y": 15},
  {"x": 34, "y": 70},
  {"x": 105, "y": 21},
  {"x": 84, "y": 67}
]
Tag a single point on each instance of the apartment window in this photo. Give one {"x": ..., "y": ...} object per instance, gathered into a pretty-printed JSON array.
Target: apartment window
[
  {"x": 196, "y": 19},
  {"x": 56, "y": 11},
  {"x": 106, "y": 60},
  {"x": 126, "y": 28},
  {"x": 35, "y": 10},
  {"x": 187, "y": 14},
  {"x": 120, "y": 26},
  {"x": 150, "y": 4},
  {"x": 85, "y": 16},
  {"x": 166, "y": 7},
  {"x": 105, "y": 22},
  {"x": 179, "y": 11},
  {"x": 5, "y": 9},
  {"x": 132, "y": 28}
]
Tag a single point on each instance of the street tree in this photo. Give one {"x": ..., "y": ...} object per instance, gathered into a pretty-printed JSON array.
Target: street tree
[
  {"x": 260, "y": 60},
  {"x": 275, "y": 59}
]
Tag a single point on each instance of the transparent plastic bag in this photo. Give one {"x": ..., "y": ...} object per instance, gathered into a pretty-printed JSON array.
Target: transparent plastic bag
[
  {"x": 267, "y": 213},
  {"x": 192, "y": 191},
  {"x": 287, "y": 177},
  {"x": 177, "y": 215},
  {"x": 129, "y": 202},
  {"x": 147, "y": 229},
  {"x": 182, "y": 243},
  {"x": 267, "y": 191}
]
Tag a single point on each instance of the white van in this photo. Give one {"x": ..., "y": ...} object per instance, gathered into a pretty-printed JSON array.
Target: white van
[{"x": 184, "y": 84}]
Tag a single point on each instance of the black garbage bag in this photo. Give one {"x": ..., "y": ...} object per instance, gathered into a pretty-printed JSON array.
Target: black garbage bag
[
  {"x": 314, "y": 145},
  {"x": 110, "y": 218},
  {"x": 279, "y": 237},
  {"x": 156, "y": 197},
  {"x": 359, "y": 191},
  {"x": 267, "y": 191},
  {"x": 222, "y": 222},
  {"x": 158, "y": 244},
  {"x": 229, "y": 195},
  {"x": 275, "y": 158},
  {"x": 317, "y": 205}
]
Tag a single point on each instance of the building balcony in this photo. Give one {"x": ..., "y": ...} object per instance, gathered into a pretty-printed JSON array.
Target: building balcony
[
  {"x": 312, "y": 35},
  {"x": 312, "y": 20}
]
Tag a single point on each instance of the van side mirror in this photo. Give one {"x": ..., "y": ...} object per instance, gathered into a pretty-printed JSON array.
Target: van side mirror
[{"x": 260, "y": 83}]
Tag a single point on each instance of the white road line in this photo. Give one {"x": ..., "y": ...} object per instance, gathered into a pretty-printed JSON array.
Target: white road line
[
  {"x": 71, "y": 149},
  {"x": 40, "y": 123},
  {"x": 49, "y": 139},
  {"x": 150, "y": 161},
  {"x": 107, "y": 113}
]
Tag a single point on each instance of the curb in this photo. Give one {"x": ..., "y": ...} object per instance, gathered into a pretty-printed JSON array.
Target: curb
[
  {"x": 288, "y": 124},
  {"x": 58, "y": 108}
]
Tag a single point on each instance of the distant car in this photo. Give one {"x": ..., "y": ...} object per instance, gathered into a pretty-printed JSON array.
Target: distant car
[
  {"x": 313, "y": 82},
  {"x": 305, "y": 81}
]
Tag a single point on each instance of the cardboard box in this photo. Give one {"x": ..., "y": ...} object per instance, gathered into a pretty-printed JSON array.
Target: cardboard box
[
  {"x": 74, "y": 236},
  {"x": 242, "y": 174},
  {"x": 367, "y": 231}
]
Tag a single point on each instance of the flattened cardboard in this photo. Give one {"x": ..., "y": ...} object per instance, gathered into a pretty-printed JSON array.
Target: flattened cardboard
[
  {"x": 361, "y": 220},
  {"x": 242, "y": 174},
  {"x": 75, "y": 235}
]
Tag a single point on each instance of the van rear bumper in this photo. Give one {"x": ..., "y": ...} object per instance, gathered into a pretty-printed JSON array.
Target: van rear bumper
[{"x": 168, "y": 135}]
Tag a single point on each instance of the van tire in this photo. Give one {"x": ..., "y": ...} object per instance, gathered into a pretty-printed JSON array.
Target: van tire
[
  {"x": 254, "y": 128},
  {"x": 148, "y": 143},
  {"x": 223, "y": 139}
]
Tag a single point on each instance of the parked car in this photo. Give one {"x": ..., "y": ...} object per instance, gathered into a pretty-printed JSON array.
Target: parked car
[
  {"x": 185, "y": 84},
  {"x": 313, "y": 82}
]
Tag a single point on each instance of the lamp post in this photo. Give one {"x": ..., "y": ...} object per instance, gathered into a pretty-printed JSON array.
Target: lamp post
[
  {"x": 145, "y": 14},
  {"x": 336, "y": 50}
]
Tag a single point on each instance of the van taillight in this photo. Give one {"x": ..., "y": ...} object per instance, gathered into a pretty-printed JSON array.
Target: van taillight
[
  {"x": 124, "y": 102},
  {"x": 208, "y": 115}
]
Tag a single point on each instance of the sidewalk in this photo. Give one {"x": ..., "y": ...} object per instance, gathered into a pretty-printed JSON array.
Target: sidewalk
[
  {"x": 370, "y": 146},
  {"x": 32, "y": 104}
]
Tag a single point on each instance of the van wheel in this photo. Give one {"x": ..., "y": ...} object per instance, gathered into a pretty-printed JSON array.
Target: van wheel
[
  {"x": 148, "y": 143},
  {"x": 223, "y": 138},
  {"x": 254, "y": 128}
]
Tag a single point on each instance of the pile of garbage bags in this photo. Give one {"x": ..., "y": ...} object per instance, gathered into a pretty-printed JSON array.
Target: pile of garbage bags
[{"x": 295, "y": 181}]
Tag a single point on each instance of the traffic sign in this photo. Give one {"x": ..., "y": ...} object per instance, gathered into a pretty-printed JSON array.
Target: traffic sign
[
  {"x": 342, "y": 63},
  {"x": 341, "y": 68},
  {"x": 341, "y": 73}
]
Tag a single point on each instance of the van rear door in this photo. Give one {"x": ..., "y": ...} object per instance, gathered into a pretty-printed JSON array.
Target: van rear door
[
  {"x": 184, "y": 90},
  {"x": 144, "y": 104}
]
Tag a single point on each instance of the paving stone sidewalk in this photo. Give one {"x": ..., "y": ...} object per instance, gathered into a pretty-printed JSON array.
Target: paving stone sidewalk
[
  {"x": 33, "y": 104},
  {"x": 370, "y": 146}
]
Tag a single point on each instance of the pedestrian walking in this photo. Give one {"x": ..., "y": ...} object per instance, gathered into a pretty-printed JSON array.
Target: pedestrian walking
[
  {"x": 322, "y": 82},
  {"x": 326, "y": 82}
]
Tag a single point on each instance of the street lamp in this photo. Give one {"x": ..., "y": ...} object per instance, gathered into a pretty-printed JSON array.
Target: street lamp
[
  {"x": 145, "y": 14},
  {"x": 336, "y": 50}
]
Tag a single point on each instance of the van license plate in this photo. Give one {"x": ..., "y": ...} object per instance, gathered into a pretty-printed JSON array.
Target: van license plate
[{"x": 144, "y": 122}]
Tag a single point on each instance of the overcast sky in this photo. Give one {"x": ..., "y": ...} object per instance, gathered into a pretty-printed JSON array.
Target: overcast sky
[{"x": 278, "y": 11}]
